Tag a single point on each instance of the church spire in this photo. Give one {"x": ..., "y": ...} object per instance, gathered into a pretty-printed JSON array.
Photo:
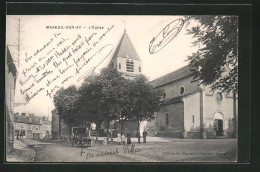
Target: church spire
[{"x": 125, "y": 48}]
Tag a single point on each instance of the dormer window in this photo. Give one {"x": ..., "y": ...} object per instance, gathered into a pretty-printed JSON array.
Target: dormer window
[{"x": 129, "y": 65}]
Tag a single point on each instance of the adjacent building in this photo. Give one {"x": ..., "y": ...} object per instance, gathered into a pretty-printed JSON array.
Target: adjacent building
[
  {"x": 30, "y": 126},
  {"x": 63, "y": 131},
  {"x": 10, "y": 83},
  {"x": 46, "y": 127}
]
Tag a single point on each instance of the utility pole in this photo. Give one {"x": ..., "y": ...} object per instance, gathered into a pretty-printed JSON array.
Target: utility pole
[
  {"x": 18, "y": 45},
  {"x": 19, "y": 39}
]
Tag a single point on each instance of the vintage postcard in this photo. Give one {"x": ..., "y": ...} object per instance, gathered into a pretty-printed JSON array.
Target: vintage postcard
[{"x": 121, "y": 88}]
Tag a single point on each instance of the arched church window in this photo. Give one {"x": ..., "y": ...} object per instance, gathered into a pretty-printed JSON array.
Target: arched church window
[
  {"x": 129, "y": 65},
  {"x": 182, "y": 90},
  {"x": 140, "y": 70},
  {"x": 167, "y": 119}
]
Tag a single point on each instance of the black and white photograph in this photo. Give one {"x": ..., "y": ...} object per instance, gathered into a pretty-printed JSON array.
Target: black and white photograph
[{"x": 121, "y": 88}]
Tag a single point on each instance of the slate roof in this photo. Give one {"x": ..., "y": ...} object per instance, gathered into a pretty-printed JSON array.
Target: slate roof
[
  {"x": 21, "y": 119},
  {"x": 125, "y": 47},
  {"x": 10, "y": 63},
  {"x": 25, "y": 119},
  {"x": 172, "y": 77},
  {"x": 36, "y": 120}
]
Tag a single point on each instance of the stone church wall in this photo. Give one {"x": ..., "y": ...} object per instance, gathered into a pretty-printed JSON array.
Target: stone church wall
[{"x": 175, "y": 120}]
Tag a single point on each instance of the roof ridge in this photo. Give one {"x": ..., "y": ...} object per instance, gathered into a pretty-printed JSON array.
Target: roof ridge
[
  {"x": 170, "y": 72},
  {"x": 119, "y": 45},
  {"x": 172, "y": 76}
]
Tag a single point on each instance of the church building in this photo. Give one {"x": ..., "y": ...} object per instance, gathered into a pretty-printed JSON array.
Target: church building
[{"x": 189, "y": 110}]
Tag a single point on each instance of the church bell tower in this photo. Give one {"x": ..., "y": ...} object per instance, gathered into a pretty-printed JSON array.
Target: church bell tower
[{"x": 126, "y": 59}]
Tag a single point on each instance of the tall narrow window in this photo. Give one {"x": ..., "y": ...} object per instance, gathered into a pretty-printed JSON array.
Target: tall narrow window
[
  {"x": 129, "y": 66},
  {"x": 119, "y": 66},
  {"x": 193, "y": 119},
  {"x": 167, "y": 119},
  {"x": 140, "y": 70}
]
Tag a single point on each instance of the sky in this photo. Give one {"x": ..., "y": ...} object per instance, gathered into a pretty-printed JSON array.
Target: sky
[{"x": 141, "y": 30}]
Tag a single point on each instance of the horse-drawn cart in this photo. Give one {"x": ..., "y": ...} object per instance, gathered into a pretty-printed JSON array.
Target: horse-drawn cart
[{"x": 80, "y": 138}]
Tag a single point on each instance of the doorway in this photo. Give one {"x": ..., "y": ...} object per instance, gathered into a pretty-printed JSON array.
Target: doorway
[
  {"x": 218, "y": 127},
  {"x": 218, "y": 124}
]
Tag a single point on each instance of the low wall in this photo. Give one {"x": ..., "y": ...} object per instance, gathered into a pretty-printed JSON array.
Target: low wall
[
  {"x": 193, "y": 135},
  {"x": 171, "y": 134}
]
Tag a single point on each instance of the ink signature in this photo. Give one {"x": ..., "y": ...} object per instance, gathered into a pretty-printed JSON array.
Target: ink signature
[
  {"x": 132, "y": 149},
  {"x": 107, "y": 49},
  {"x": 165, "y": 36}
]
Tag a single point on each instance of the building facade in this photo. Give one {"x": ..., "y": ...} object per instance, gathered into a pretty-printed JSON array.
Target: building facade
[
  {"x": 10, "y": 83},
  {"x": 46, "y": 127},
  {"x": 190, "y": 110},
  {"x": 30, "y": 126},
  {"x": 64, "y": 130}
]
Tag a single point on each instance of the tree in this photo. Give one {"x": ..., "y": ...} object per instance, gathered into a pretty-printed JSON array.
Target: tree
[
  {"x": 143, "y": 100},
  {"x": 65, "y": 101},
  {"x": 109, "y": 96},
  {"x": 113, "y": 95},
  {"x": 216, "y": 61},
  {"x": 101, "y": 97},
  {"x": 90, "y": 96}
]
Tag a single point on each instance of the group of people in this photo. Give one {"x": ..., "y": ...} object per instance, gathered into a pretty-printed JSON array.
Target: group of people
[
  {"x": 127, "y": 140},
  {"x": 138, "y": 135},
  {"x": 122, "y": 139},
  {"x": 17, "y": 136}
]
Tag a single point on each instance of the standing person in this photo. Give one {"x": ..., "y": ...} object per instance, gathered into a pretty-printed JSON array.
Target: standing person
[
  {"x": 138, "y": 136},
  {"x": 123, "y": 139},
  {"x": 118, "y": 138},
  {"x": 128, "y": 138},
  {"x": 144, "y": 136},
  {"x": 111, "y": 134}
]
